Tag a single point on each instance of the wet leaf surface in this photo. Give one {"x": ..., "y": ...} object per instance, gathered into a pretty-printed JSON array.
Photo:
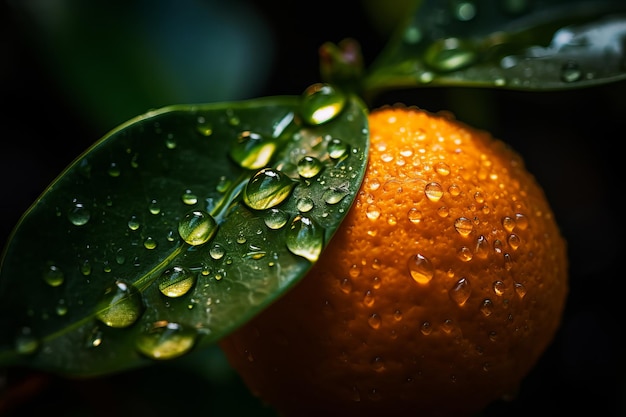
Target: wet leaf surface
[
  {"x": 518, "y": 45},
  {"x": 177, "y": 227}
]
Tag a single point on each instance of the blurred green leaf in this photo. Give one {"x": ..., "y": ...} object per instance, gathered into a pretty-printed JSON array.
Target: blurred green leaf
[
  {"x": 511, "y": 44},
  {"x": 177, "y": 227}
]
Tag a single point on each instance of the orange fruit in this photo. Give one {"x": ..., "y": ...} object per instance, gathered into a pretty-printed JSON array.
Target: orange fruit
[{"x": 439, "y": 292}]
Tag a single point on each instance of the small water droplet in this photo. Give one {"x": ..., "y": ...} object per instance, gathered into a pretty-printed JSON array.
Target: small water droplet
[
  {"x": 305, "y": 204},
  {"x": 217, "y": 251},
  {"x": 223, "y": 184},
  {"x": 133, "y": 223},
  {"x": 378, "y": 364},
  {"x": 120, "y": 305},
  {"x": 305, "y": 238},
  {"x": 498, "y": 287},
  {"x": 521, "y": 221},
  {"x": 570, "y": 72},
  {"x": 334, "y": 195},
  {"x": 197, "y": 227},
  {"x": 486, "y": 307},
  {"x": 78, "y": 214},
  {"x": 204, "y": 127},
  {"x": 426, "y": 328},
  {"x": 415, "y": 216},
  {"x": 266, "y": 189},
  {"x": 176, "y": 281},
  {"x": 252, "y": 150},
  {"x": 166, "y": 340},
  {"x": 275, "y": 218},
  {"x": 463, "y": 226},
  {"x": 26, "y": 343},
  {"x": 464, "y": 10},
  {"x": 482, "y": 247},
  {"x": 120, "y": 257},
  {"x": 449, "y": 54},
  {"x": 421, "y": 269},
  {"x": 434, "y": 191},
  {"x": 374, "y": 321},
  {"x": 114, "y": 170},
  {"x": 368, "y": 298},
  {"x": 465, "y": 254},
  {"x": 520, "y": 290},
  {"x": 309, "y": 167},
  {"x": 321, "y": 103},
  {"x": 508, "y": 223},
  {"x": 461, "y": 291},
  {"x": 150, "y": 243},
  {"x": 372, "y": 212},
  {"x": 337, "y": 148},
  {"x": 85, "y": 267},
  {"x": 154, "y": 207},
  {"x": 442, "y": 168},
  {"x": 454, "y": 190},
  {"x": 189, "y": 198},
  {"x": 53, "y": 276}
]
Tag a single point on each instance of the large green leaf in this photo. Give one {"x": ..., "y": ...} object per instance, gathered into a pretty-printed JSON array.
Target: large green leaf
[
  {"x": 522, "y": 45},
  {"x": 177, "y": 227}
]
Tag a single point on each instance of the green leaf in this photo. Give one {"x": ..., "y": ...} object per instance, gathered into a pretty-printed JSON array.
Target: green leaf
[
  {"x": 518, "y": 45},
  {"x": 177, "y": 227}
]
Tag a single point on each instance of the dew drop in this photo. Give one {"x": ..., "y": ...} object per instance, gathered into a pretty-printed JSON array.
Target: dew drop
[
  {"x": 166, "y": 340},
  {"x": 154, "y": 207},
  {"x": 426, "y": 328},
  {"x": 434, "y": 191},
  {"x": 521, "y": 221},
  {"x": 421, "y": 269},
  {"x": 176, "y": 281},
  {"x": 482, "y": 247},
  {"x": 305, "y": 204},
  {"x": 454, "y": 190},
  {"x": 345, "y": 285},
  {"x": 378, "y": 364},
  {"x": 133, "y": 223},
  {"x": 217, "y": 251},
  {"x": 337, "y": 148},
  {"x": 520, "y": 290},
  {"x": 498, "y": 287},
  {"x": 275, "y": 218},
  {"x": 463, "y": 226},
  {"x": 150, "y": 243},
  {"x": 368, "y": 298},
  {"x": 508, "y": 223},
  {"x": 486, "y": 307},
  {"x": 415, "y": 216},
  {"x": 78, "y": 214},
  {"x": 374, "y": 321},
  {"x": 570, "y": 72},
  {"x": 442, "y": 168},
  {"x": 461, "y": 291},
  {"x": 305, "y": 238},
  {"x": 449, "y": 54},
  {"x": 309, "y": 167},
  {"x": 189, "y": 198},
  {"x": 26, "y": 343},
  {"x": 321, "y": 103},
  {"x": 197, "y": 227},
  {"x": 267, "y": 188},
  {"x": 372, "y": 212},
  {"x": 114, "y": 170},
  {"x": 54, "y": 276},
  {"x": 465, "y": 254},
  {"x": 223, "y": 184},
  {"x": 334, "y": 195},
  {"x": 252, "y": 151},
  {"x": 120, "y": 305},
  {"x": 204, "y": 127},
  {"x": 85, "y": 267}
]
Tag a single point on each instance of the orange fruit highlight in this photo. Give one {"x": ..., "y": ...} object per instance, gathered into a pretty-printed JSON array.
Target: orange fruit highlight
[{"x": 442, "y": 288}]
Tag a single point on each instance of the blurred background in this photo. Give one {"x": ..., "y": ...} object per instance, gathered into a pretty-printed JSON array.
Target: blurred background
[{"x": 70, "y": 71}]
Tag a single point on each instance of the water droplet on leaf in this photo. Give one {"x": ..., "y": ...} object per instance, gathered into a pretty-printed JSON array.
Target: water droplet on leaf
[
  {"x": 120, "y": 305},
  {"x": 197, "y": 227},
  {"x": 266, "y": 189}
]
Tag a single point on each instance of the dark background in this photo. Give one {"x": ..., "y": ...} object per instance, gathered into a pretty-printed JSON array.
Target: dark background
[{"x": 570, "y": 140}]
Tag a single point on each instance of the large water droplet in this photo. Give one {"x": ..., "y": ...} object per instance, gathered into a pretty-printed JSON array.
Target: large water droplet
[
  {"x": 120, "y": 306},
  {"x": 197, "y": 227},
  {"x": 252, "y": 151},
  {"x": 434, "y": 191},
  {"x": 166, "y": 340},
  {"x": 176, "y": 281},
  {"x": 421, "y": 269},
  {"x": 305, "y": 238},
  {"x": 267, "y": 188},
  {"x": 321, "y": 103},
  {"x": 337, "y": 148}
]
